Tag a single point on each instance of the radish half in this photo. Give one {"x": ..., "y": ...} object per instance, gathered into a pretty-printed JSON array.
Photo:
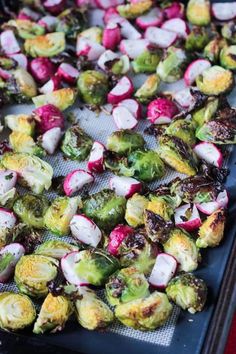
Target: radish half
[
  {"x": 210, "y": 153},
  {"x": 68, "y": 267},
  {"x": 223, "y": 199},
  {"x": 116, "y": 237},
  {"x": 224, "y": 11},
  {"x": 123, "y": 118},
  {"x": 89, "y": 49},
  {"x": 76, "y": 180},
  {"x": 68, "y": 73},
  {"x": 9, "y": 43},
  {"x": 28, "y": 14},
  {"x": 178, "y": 26},
  {"x": 208, "y": 208},
  {"x": 106, "y": 4},
  {"x": 9, "y": 256},
  {"x": 96, "y": 158},
  {"x": 111, "y": 36},
  {"x": 161, "y": 111},
  {"x": 49, "y": 22},
  {"x": 187, "y": 217},
  {"x": 7, "y": 181},
  {"x": 107, "y": 56},
  {"x": 184, "y": 98},
  {"x": 7, "y": 219},
  {"x": 153, "y": 18},
  {"x": 125, "y": 186},
  {"x": 133, "y": 48},
  {"x": 85, "y": 230},
  {"x": 54, "y": 6},
  {"x": 195, "y": 69},
  {"x": 52, "y": 85},
  {"x": 21, "y": 59},
  {"x": 123, "y": 89},
  {"x": 160, "y": 37},
  {"x": 164, "y": 269},
  {"x": 50, "y": 140},
  {"x": 133, "y": 106}
]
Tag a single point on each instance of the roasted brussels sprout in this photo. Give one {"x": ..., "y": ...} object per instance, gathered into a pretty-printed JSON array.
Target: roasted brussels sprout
[
  {"x": 170, "y": 69},
  {"x": 183, "y": 129},
  {"x": 16, "y": 311},
  {"x": 33, "y": 272},
  {"x": 93, "y": 33},
  {"x": 123, "y": 142},
  {"x": 207, "y": 112},
  {"x": 146, "y": 62},
  {"x": 93, "y": 87},
  {"x": 58, "y": 216},
  {"x": 162, "y": 206},
  {"x": 22, "y": 123},
  {"x": 222, "y": 131},
  {"x": 25, "y": 29},
  {"x": 7, "y": 63},
  {"x": 134, "y": 210},
  {"x": 55, "y": 249},
  {"x": 53, "y": 315},
  {"x": 213, "y": 48},
  {"x": 49, "y": 45},
  {"x": 105, "y": 208},
  {"x": 197, "y": 39},
  {"x": 23, "y": 143},
  {"x": 198, "y": 12},
  {"x": 28, "y": 237},
  {"x": 134, "y": 9},
  {"x": 211, "y": 231},
  {"x": 126, "y": 285},
  {"x": 188, "y": 292},
  {"x": 22, "y": 85},
  {"x": 33, "y": 172},
  {"x": 228, "y": 31},
  {"x": 145, "y": 314},
  {"x": 215, "y": 81},
  {"x": 76, "y": 144},
  {"x": 181, "y": 246},
  {"x": 62, "y": 98},
  {"x": 71, "y": 21},
  {"x": 228, "y": 57},
  {"x": 149, "y": 89}
]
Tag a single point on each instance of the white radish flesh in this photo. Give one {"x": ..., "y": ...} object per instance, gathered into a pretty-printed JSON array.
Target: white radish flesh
[
  {"x": 96, "y": 158},
  {"x": 85, "y": 230},
  {"x": 107, "y": 56},
  {"x": 160, "y": 37},
  {"x": 210, "y": 153},
  {"x": 153, "y": 18},
  {"x": 21, "y": 59},
  {"x": 125, "y": 186},
  {"x": 68, "y": 73},
  {"x": 49, "y": 22},
  {"x": 184, "y": 98},
  {"x": 7, "y": 219},
  {"x": 123, "y": 118},
  {"x": 163, "y": 270},
  {"x": 50, "y": 140},
  {"x": 178, "y": 26},
  {"x": 224, "y": 11},
  {"x": 194, "y": 70},
  {"x": 7, "y": 181},
  {"x": 106, "y": 4},
  {"x": 183, "y": 220},
  {"x": 68, "y": 267},
  {"x": 123, "y": 89},
  {"x": 133, "y": 106},
  {"x": 9, "y": 43},
  {"x": 133, "y": 48},
  {"x": 52, "y": 85},
  {"x": 223, "y": 199},
  {"x": 17, "y": 251},
  {"x": 208, "y": 208},
  {"x": 76, "y": 180},
  {"x": 89, "y": 49}
]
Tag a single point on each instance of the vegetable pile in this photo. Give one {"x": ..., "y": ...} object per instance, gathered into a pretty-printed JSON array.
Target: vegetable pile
[{"x": 141, "y": 244}]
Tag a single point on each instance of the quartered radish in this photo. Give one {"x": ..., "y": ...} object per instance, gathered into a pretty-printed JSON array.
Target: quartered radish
[
  {"x": 4, "y": 74},
  {"x": 184, "y": 98},
  {"x": 178, "y": 26},
  {"x": 28, "y": 14},
  {"x": 133, "y": 48},
  {"x": 8, "y": 180},
  {"x": 161, "y": 110},
  {"x": 187, "y": 217},
  {"x": 223, "y": 199},
  {"x": 49, "y": 22},
  {"x": 128, "y": 31},
  {"x": 68, "y": 73},
  {"x": 174, "y": 10},
  {"x": 116, "y": 237},
  {"x": 210, "y": 153},
  {"x": 42, "y": 69},
  {"x": 107, "y": 56},
  {"x": 9, "y": 256},
  {"x": 123, "y": 118},
  {"x": 111, "y": 14},
  {"x": 7, "y": 219},
  {"x": 68, "y": 267},
  {"x": 125, "y": 186},
  {"x": 89, "y": 49},
  {"x": 164, "y": 269},
  {"x": 208, "y": 208},
  {"x": 133, "y": 106},
  {"x": 85, "y": 230},
  {"x": 123, "y": 89},
  {"x": 50, "y": 140},
  {"x": 76, "y": 180},
  {"x": 153, "y": 18},
  {"x": 106, "y": 4},
  {"x": 9, "y": 43},
  {"x": 111, "y": 36},
  {"x": 54, "y": 6},
  {"x": 21, "y": 59},
  {"x": 195, "y": 69},
  {"x": 224, "y": 11},
  {"x": 160, "y": 37},
  {"x": 52, "y": 85},
  {"x": 96, "y": 158}
]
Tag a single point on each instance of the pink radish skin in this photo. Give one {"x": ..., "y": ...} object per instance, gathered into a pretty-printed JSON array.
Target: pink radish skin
[
  {"x": 116, "y": 237},
  {"x": 17, "y": 250},
  {"x": 161, "y": 110},
  {"x": 184, "y": 98},
  {"x": 89, "y": 49},
  {"x": 28, "y": 14},
  {"x": 111, "y": 36},
  {"x": 107, "y": 56},
  {"x": 160, "y": 37},
  {"x": 52, "y": 85},
  {"x": 210, "y": 153},
  {"x": 50, "y": 140},
  {"x": 68, "y": 73},
  {"x": 133, "y": 106},
  {"x": 8, "y": 180},
  {"x": 96, "y": 158},
  {"x": 178, "y": 26},
  {"x": 42, "y": 69},
  {"x": 7, "y": 219},
  {"x": 153, "y": 18},
  {"x": 49, "y": 22},
  {"x": 123, "y": 118},
  {"x": 76, "y": 180},
  {"x": 21, "y": 60},
  {"x": 133, "y": 48},
  {"x": 224, "y": 11},
  {"x": 85, "y": 230},
  {"x": 193, "y": 223},
  {"x": 125, "y": 186},
  {"x": 194, "y": 70},
  {"x": 54, "y": 6},
  {"x": 68, "y": 264},
  {"x": 9, "y": 43},
  {"x": 5, "y": 75},
  {"x": 106, "y": 4},
  {"x": 164, "y": 269},
  {"x": 123, "y": 90},
  {"x": 48, "y": 117},
  {"x": 110, "y": 14},
  {"x": 175, "y": 10}
]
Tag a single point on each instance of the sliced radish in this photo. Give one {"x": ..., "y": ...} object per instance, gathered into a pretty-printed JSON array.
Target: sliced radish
[
  {"x": 7, "y": 181},
  {"x": 68, "y": 73},
  {"x": 175, "y": 10},
  {"x": 161, "y": 111},
  {"x": 187, "y": 217},
  {"x": 133, "y": 48},
  {"x": 13, "y": 253},
  {"x": 85, "y": 230},
  {"x": 107, "y": 56},
  {"x": 116, "y": 237},
  {"x": 224, "y": 11},
  {"x": 111, "y": 14},
  {"x": 123, "y": 118},
  {"x": 68, "y": 267},
  {"x": 21, "y": 59},
  {"x": 9, "y": 43},
  {"x": 111, "y": 36},
  {"x": 164, "y": 269},
  {"x": 125, "y": 186},
  {"x": 4, "y": 74},
  {"x": 210, "y": 153},
  {"x": 178, "y": 26},
  {"x": 208, "y": 208},
  {"x": 52, "y": 85},
  {"x": 50, "y": 140},
  {"x": 194, "y": 70},
  {"x": 133, "y": 106},
  {"x": 89, "y": 49},
  {"x": 123, "y": 89},
  {"x": 54, "y": 6},
  {"x": 160, "y": 37},
  {"x": 184, "y": 98},
  {"x": 76, "y": 180},
  {"x": 153, "y": 18},
  {"x": 49, "y": 22},
  {"x": 96, "y": 158},
  {"x": 128, "y": 31},
  {"x": 223, "y": 199},
  {"x": 28, "y": 14},
  {"x": 106, "y": 4},
  {"x": 7, "y": 219}
]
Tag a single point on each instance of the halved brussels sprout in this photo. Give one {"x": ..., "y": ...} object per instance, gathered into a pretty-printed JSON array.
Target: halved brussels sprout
[
  {"x": 145, "y": 314},
  {"x": 222, "y": 131},
  {"x": 207, "y": 112},
  {"x": 183, "y": 129},
  {"x": 24, "y": 143},
  {"x": 160, "y": 205},
  {"x": 134, "y": 210},
  {"x": 62, "y": 98},
  {"x": 53, "y": 315},
  {"x": 94, "y": 34},
  {"x": 33, "y": 272},
  {"x": 7, "y": 199},
  {"x": 25, "y": 85},
  {"x": 32, "y": 171},
  {"x": 71, "y": 21},
  {"x": 28, "y": 237},
  {"x": 228, "y": 57},
  {"x": 197, "y": 39},
  {"x": 171, "y": 68},
  {"x": 124, "y": 142},
  {"x": 149, "y": 89},
  {"x": 26, "y": 29},
  {"x": 58, "y": 216},
  {"x": 215, "y": 81},
  {"x": 134, "y": 9},
  {"x": 7, "y": 63},
  {"x": 126, "y": 285},
  {"x": 76, "y": 144},
  {"x": 22, "y": 123},
  {"x": 198, "y": 12},
  {"x": 16, "y": 311},
  {"x": 49, "y": 45},
  {"x": 212, "y": 230},
  {"x": 228, "y": 31},
  {"x": 55, "y": 249},
  {"x": 188, "y": 292},
  {"x": 93, "y": 87},
  {"x": 147, "y": 62},
  {"x": 213, "y": 48},
  {"x": 31, "y": 209}
]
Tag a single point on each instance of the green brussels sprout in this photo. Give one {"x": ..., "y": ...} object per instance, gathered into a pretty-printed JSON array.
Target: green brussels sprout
[
  {"x": 188, "y": 292},
  {"x": 49, "y": 45},
  {"x": 149, "y": 89},
  {"x": 71, "y": 21},
  {"x": 206, "y": 113},
  {"x": 211, "y": 231},
  {"x": 94, "y": 34},
  {"x": 160, "y": 205},
  {"x": 212, "y": 49},
  {"x": 62, "y": 98},
  {"x": 16, "y": 311},
  {"x": 197, "y": 39},
  {"x": 58, "y": 216},
  {"x": 23, "y": 85},
  {"x": 183, "y": 129},
  {"x": 215, "y": 81},
  {"x": 25, "y": 29},
  {"x": 55, "y": 249},
  {"x": 76, "y": 144},
  {"x": 134, "y": 210},
  {"x": 123, "y": 142},
  {"x": 105, "y": 208},
  {"x": 126, "y": 285},
  {"x": 33, "y": 272},
  {"x": 28, "y": 237},
  {"x": 228, "y": 31},
  {"x": 92, "y": 313},
  {"x": 119, "y": 65},
  {"x": 181, "y": 246},
  {"x": 198, "y": 12},
  {"x": 145, "y": 314},
  {"x": 22, "y": 123},
  {"x": 23, "y": 143},
  {"x": 171, "y": 68},
  {"x": 135, "y": 9},
  {"x": 31, "y": 209},
  {"x": 147, "y": 62},
  {"x": 222, "y": 131},
  {"x": 54, "y": 313},
  {"x": 177, "y": 154},
  {"x": 93, "y": 87},
  {"x": 32, "y": 171},
  {"x": 228, "y": 57},
  {"x": 7, "y": 63}
]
